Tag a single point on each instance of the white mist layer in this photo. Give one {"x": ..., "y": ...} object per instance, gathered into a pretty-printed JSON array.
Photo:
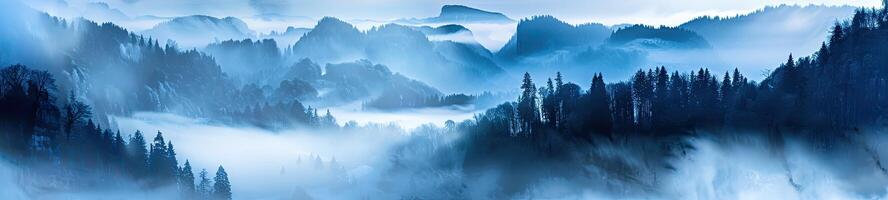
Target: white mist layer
[
  {"x": 743, "y": 167},
  {"x": 268, "y": 165},
  {"x": 405, "y": 118},
  {"x": 276, "y": 165},
  {"x": 491, "y": 36},
  {"x": 9, "y": 187}
]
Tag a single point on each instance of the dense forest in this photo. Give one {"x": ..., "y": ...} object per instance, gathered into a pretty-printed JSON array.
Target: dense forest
[
  {"x": 60, "y": 145},
  {"x": 840, "y": 87},
  {"x": 839, "y": 90}
]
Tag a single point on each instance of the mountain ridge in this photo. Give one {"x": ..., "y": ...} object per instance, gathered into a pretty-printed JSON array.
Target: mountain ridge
[
  {"x": 462, "y": 14},
  {"x": 198, "y": 30}
]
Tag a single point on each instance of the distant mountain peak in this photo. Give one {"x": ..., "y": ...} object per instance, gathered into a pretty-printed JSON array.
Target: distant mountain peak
[
  {"x": 332, "y": 22},
  {"x": 465, "y": 13},
  {"x": 203, "y": 20},
  {"x": 545, "y": 33},
  {"x": 461, "y": 9},
  {"x": 443, "y": 29},
  {"x": 657, "y": 37},
  {"x": 200, "y": 30},
  {"x": 462, "y": 14}
]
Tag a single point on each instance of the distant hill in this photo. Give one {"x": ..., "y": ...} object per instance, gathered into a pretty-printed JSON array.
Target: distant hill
[
  {"x": 541, "y": 34},
  {"x": 759, "y": 38},
  {"x": 199, "y": 30},
  {"x": 442, "y": 30},
  {"x": 545, "y": 45},
  {"x": 462, "y": 14},
  {"x": 657, "y": 37},
  {"x": 450, "y": 32},
  {"x": 286, "y": 38},
  {"x": 246, "y": 60},
  {"x": 434, "y": 55},
  {"x": 331, "y": 40},
  {"x": 353, "y": 80}
]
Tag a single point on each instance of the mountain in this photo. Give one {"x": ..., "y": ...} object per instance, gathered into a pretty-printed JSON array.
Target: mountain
[
  {"x": 304, "y": 70},
  {"x": 462, "y": 14},
  {"x": 117, "y": 71},
  {"x": 541, "y": 34},
  {"x": 199, "y": 30},
  {"x": 754, "y": 40},
  {"x": 544, "y": 45},
  {"x": 100, "y": 10},
  {"x": 676, "y": 47},
  {"x": 449, "y": 33},
  {"x": 331, "y": 40},
  {"x": 353, "y": 80},
  {"x": 287, "y": 38},
  {"x": 658, "y": 38},
  {"x": 425, "y": 53},
  {"x": 246, "y": 60},
  {"x": 443, "y": 30}
]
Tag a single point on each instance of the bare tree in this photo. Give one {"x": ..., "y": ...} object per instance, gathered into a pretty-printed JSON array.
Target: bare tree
[
  {"x": 75, "y": 111},
  {"x": 13, "y": 78}
]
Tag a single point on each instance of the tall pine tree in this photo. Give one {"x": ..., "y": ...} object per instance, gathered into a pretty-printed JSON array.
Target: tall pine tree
[{"x": 221, "y": 186}]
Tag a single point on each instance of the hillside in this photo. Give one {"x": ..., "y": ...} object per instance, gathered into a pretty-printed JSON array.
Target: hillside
[
  {"x": 198, "y": 30},
  {"x": 462, "y": 14}
]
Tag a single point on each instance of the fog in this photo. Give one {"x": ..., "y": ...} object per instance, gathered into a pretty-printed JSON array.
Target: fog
[
  {"x": 490, "y": 35},
  {"x": 273, "y": 165},
  {"x": 36, "y": 182},
  {"x": 374, "y": 164},
  {"x": 8, "y": 187},
  {"x": 405, "y": 118}
]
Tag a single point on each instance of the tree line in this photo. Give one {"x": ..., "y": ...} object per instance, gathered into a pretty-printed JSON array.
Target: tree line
[
  {"x": 58, "y": 138},
  {"x": 841, "y": 87},
  {"x": 563, "y": 129}
]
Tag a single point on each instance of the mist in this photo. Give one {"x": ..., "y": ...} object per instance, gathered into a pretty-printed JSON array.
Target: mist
[
  {"x": 741, "y": 165},
  {"x": 282, "y": 164}
]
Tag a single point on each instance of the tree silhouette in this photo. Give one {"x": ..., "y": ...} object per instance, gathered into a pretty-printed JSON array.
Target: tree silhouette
[
  {"x": 221, "y": 186},
  {"x": 186, "y": 181},
  {"x": 75, "y": 111},
  {"x": 527, "y": 106},
  {"x": 205, "y": 185}
]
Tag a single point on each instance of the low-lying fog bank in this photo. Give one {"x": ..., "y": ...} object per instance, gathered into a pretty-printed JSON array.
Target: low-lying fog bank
[
  {"x": 270, "y": 165},
  {"x": 406, "y": 118},
  {"x": 385, "y": 162}
]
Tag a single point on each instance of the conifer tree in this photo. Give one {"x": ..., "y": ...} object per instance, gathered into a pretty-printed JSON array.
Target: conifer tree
[
  {"x": 221, "y": 186},
  {"x": 600, "y": 119},
  {"x": 186, "y": 180},
  {"x": 138, "y": 154},
  {"x": 527, "y": 106},
  {"x": 205, "y": 185}
]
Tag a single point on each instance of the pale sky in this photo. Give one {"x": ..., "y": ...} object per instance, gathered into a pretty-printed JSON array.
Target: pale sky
[{"x": 654, "y": 12}]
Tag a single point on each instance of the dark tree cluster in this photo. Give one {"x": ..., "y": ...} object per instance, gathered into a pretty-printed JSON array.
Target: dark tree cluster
[
  {"x": 61, "y": 141},
  {"x": 543, "y": 33},
  {"x": 665, "y": 33},
  {"x": 654, "y": 101},
  {"x": 281, "y": 115}
]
